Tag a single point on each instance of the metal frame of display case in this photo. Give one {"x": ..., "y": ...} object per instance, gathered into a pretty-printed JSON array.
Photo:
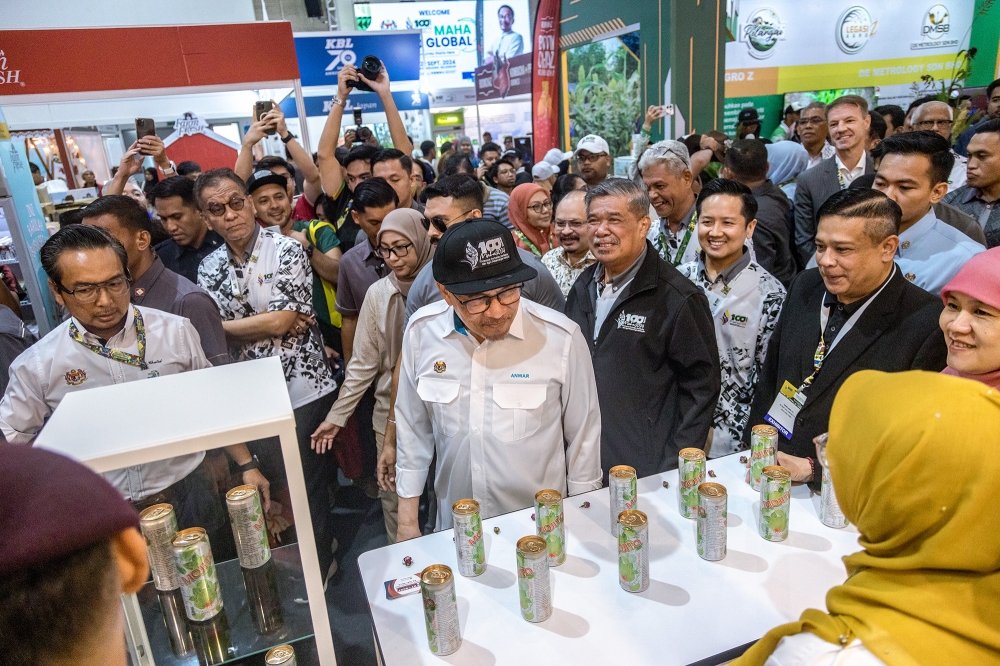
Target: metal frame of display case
[{"x": 112, "y": 427}]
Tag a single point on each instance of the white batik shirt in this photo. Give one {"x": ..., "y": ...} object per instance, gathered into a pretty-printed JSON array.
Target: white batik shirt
[
  {"x": 669, "y": 245},
  {"x": 745, "y": 301},
  {"x": 273, "y": 275}
]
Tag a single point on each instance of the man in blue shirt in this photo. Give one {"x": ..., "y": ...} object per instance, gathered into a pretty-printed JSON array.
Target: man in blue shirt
[{"x": 914, "y": 173}]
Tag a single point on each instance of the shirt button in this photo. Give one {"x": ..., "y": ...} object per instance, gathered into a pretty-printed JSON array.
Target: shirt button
[
  {"x": 519, "y": 403},
  {"x": 475, "y": 430},
  {"x": 477, "y": 468}
]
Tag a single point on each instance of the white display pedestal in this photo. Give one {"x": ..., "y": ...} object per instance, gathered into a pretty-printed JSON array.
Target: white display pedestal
[{"x": 111, "y": 427}]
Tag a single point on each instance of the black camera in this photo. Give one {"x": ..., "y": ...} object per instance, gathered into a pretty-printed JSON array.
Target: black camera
[{"x": 370, "y": 67}]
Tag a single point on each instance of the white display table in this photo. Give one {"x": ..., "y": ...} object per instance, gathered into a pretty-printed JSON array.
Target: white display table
[{"x": 693, "y": 610}]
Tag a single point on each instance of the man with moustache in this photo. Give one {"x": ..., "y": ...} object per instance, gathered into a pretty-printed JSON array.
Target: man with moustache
[{"x": 573, "y": 255}]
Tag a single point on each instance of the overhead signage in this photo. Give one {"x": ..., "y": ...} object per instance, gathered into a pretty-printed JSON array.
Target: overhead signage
[
  {"x": 322, "y": 55},
  {"x": 504, "y": 78},
  {"x": 544, "y": 90},
  {"x": 454, "y": 118},
  {"x": 320, "y": 105}
]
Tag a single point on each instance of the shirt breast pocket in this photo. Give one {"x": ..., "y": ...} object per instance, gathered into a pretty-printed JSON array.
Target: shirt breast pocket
[
  {"x": 442, "y": 396},
  {"x": 517, "y": 410}
]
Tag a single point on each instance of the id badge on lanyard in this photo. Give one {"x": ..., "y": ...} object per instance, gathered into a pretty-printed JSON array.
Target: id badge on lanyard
[{"x": 239, "y": 277}]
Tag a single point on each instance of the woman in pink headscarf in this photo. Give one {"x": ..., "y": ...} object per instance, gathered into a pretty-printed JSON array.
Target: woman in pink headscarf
[
  {"x": 971, "y": 319},
  {"x": 530, "y": 211}
]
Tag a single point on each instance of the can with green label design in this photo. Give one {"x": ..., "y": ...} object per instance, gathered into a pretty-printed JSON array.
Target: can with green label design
[
  {"x": 549, "y": 524},
  {"x": 763, "y": 451},
  {"x": 469, "y": 546},
  {"x": 713, "y": 517},
  {"x": 775, "y": 502},
  {"x": 691, "y": 474},
  {"x": 633, "y": 551},
  {"x": 533, "y": 583},
  {"x": 437, "y": 587},
  {"x": 624, "y": 494},
  {"x": 158, "y": 524},
  {"x": 196, "y": 568},
  {"x": 249, "y": 527}
]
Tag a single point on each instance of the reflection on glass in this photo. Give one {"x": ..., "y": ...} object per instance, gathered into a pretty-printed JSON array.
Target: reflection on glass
[
  {"x": 212, "y": 640},
  {"x": 172, "y": 607},
  {"x": 820, "y": 442},
  {"x": 263, "y": 598}
]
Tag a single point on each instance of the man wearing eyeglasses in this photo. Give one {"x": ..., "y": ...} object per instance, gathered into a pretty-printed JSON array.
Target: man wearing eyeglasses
[
  {"x": 573, "y": 255},
  {"x": 813, "y": 132},
  {"x": 499, "y": 388},
  {"x": 594, "y": 158},
  {"x": 938, "y": 117}
]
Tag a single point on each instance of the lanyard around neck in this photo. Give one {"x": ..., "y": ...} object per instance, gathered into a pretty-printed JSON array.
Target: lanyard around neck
[
  {"x": 138, "y": 361},
  {"x": 531, "y": 246},
  {"x": 676, "y": 260},
  {"x": 246, "y": 271}
]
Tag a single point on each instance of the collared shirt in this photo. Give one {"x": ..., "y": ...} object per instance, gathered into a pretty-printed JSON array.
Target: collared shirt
[
  {"x": 57, "y": 365},
  {"x": 564, "y": 272},
  {"x": 745, "y": 301},
  {"x": 931, "y": 252},
  {"x": 273, "y": 277},
  {"x": 508, "y": 45},
  {"x": 505, "y": 418},
  {"x": 606, "y": 293},
  {"x": 668, "y": 244},
  {"x": 847, "y": 176},
  {"x": 958, "y": 173},
  {"x": 496, "y": 206},
  {"x": 970, "y": 200},
  {"x": 826, "y": 153},
  {"x": 184, "y": 259},
  {"x": 839, "y": 312},
  {"x": 360, "y": 268},
  {"x": 162, "y": 289}
]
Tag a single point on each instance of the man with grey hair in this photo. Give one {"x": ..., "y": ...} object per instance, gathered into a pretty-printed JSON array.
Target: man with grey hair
[
  {"x": 938, "y": 117},
  {"x": 650, "y": 333},
  {"x": 665, "y": 169}
]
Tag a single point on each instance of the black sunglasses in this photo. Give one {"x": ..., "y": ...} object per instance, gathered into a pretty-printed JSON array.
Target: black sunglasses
[{"x": 437, "y": 222}]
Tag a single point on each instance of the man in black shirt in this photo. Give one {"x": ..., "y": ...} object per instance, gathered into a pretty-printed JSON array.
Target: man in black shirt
[{"x": 190, "y": 238}]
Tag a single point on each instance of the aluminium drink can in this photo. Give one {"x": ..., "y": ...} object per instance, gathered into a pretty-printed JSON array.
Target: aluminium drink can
[
  {"x": 469, "y": 548},
  {"x": 633, "y": 551},
  {"x": 829, "y": 508},
  {"x": 549, "y": 524},
  {"x": 533, "y": 582},
  {"x": 249, "y": 526},
  {"x": 158, "y": 524},
  {"x": 775, "y": 502},
  {"x": 712, "y": 520},
  {"x": 198, "y": 577},
  {"x": 691, "y": 474},
  {"x": 282, "y": 655},
  {"x": 763, "y": 451},
  {"x": 437, "y": 587},
  {"x": 624, "y": 494}
]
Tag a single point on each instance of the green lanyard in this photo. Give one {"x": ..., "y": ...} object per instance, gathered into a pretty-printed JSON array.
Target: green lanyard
[
  {"x": 684, "y": 243},
  {"x": 116, "y": 354},
  {"x": 531, "y": 246}
]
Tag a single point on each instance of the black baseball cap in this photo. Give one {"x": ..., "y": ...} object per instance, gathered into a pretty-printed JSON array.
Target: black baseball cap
[
  {"x": 265, "y": 177},
  {"x": 479, "y": 255},
  {"x": 749, "y": 115}
]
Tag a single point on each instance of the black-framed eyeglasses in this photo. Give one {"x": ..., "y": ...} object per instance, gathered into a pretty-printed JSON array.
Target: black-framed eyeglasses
[
  {"x": 236, "y": 203},
  {"x": 541, "y": 207},
  {"x": 398, "y": 250},
  {"x": 813, "y": 120},
  {"x": 88, "y": 293},
  {"x": 440, "y": 223},
  {"x": 482, "y": 303},
  {"x": 590, "y": 157}
]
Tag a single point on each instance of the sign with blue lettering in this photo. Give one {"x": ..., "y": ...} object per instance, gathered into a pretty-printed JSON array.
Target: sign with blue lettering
[
  {"x": 322, "y": 55},
  {"x": 367, "y": 102}
]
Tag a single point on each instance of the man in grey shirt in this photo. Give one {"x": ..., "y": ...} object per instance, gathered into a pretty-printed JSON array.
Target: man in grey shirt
[{"x": 153, "y": 284}]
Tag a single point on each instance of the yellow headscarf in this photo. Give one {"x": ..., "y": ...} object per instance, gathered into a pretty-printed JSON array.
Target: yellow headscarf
[{"x": 915, "y": 459}]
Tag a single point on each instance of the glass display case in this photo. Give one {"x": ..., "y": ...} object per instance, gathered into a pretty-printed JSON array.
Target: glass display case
[{"x": 261, "y": 606}]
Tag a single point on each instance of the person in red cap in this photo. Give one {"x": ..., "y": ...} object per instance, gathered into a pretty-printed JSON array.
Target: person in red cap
[
  {"x": 71, "y": 546},
  {"x": 970, "y": 320}
]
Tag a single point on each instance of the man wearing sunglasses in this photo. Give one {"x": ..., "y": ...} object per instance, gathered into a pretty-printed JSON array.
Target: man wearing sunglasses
[{"x": 501, "y": 389}]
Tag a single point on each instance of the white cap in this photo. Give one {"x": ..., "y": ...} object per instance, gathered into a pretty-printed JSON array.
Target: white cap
[
  {"x": 543, "y": 170},
  {"x": 593, "y": 144},
  {"x": 555, "y": 156}
]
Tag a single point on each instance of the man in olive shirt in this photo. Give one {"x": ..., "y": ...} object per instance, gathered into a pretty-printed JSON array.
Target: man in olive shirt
[{"x": 190, "y": 238}]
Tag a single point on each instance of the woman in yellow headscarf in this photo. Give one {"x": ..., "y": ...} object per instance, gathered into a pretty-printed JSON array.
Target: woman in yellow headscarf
[{"x": 914, "y": 459}]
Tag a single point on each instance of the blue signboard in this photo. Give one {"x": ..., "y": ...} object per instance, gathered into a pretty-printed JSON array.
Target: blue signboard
[
  {"x": 322, "y": 55},
  {"x": 367, "y": 102}
]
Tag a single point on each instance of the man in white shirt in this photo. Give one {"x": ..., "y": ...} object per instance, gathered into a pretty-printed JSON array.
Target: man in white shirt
[
  {"x": 501, "y": 389},
  {"x": 913, "y": 172},
  {"x": 509, "y": 43},
  {"x": 665, "y": 169},
  {"x": 108, "y": 341},
  {"x": 813, "y": 132},
  {"x": 745, "y": 300},
  {"x": 938, "y": 117}
]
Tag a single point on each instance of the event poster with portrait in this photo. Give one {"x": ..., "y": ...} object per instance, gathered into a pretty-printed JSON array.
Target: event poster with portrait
[{"x": 506, "y": 28}]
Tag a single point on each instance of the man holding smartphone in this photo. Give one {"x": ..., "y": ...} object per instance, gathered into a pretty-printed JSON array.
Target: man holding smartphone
[{"x": 149, "y": 145}]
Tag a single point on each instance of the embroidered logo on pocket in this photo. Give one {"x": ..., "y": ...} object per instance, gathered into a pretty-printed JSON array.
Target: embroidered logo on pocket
[{"x": 631, "y": 322}]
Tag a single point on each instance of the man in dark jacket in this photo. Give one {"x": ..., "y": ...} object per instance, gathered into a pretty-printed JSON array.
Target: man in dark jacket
[
  {"x": 651, "y": 336},
  {"x": 855, "y": 312}
]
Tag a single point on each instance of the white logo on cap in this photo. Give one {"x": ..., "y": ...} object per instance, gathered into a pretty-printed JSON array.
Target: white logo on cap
[
  {"x": 491, "y": 251},
  {"x": 471, "y": 256},
  {"x": 261, "y": 174}
]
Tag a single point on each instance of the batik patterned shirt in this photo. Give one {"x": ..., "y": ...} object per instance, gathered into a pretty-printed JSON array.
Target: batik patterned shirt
[
  {"x": 745, "y": 300},
  {"x": 274, "y": 276},
  {"x": 564, "y": 272}
]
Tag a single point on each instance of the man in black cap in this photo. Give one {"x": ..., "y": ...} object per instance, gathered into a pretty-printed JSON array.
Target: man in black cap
[
  {"x": 748, "y": 124},
  {"x": 501, "y": 389},
  {"x": 71, "y": 547}
]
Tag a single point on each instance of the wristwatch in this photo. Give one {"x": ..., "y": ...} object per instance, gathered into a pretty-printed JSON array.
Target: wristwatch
[
  {"x": 168, "y": 172},
  {"x": 340, "y": 102},
  {"x": 253, "y": 464},
  {"x": 309, "y": 250},
  {"x": 288, "y": 137}
]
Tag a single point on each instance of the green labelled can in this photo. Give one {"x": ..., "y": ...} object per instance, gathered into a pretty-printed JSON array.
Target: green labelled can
[
  {"x": 158, "y": 524},
  {"x": 198, "y": 578},
  {"x": 633, "y": 551},
  {"x": 469, "y": 546},
  {"x": 437, "y": 586},
  {"x": 283, "y": 655},
  {"x": 763, "y": 451},
  {"x": 829, "y": 508},
  {"x": 533, "y": 583},
  {"x": 624, "y": 494},
  {"x": 549, "y": 524},
  {"x": 691, "y": 474},
  {"x": 249, "y": 528},
  {"x": 713, "y": 517},
  {"x": 775, "y": 502}
]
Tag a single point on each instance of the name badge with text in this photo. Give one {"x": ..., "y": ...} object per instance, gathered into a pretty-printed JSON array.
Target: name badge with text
[{"x": 786, "y": 406}]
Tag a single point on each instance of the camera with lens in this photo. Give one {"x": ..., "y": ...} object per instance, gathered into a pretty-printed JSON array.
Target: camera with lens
[{"x": 370, "y": 67}]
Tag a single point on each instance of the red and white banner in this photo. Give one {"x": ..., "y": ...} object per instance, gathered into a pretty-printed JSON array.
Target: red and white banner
[
  {"x": 545, "y": 81},
  {"x": 504, "y": 78}
]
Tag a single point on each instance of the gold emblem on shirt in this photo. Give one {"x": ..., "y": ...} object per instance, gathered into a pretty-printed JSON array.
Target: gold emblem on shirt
[
  {"x": 75, "y": 377},
  {"x": 906, "y": 245},
  {"x": 440, "y": 367},
  {"x": 910, "y": 276}
]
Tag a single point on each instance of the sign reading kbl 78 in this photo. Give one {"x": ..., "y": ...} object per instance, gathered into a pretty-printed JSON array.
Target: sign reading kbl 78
[{"x": 321, "y": 57}]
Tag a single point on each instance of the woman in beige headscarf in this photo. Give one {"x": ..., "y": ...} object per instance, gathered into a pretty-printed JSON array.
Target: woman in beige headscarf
[{"x": 403, "y": 244}]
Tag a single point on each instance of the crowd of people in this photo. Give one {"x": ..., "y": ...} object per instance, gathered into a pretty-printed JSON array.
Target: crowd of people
[{"x": 482, "y": 328}]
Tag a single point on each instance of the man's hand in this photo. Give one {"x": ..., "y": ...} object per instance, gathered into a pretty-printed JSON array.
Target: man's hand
[
  {"x": 302, "y": 323},
  {"x": 407, "y": 532},
  {"x": 481, "y": 170},
  {"x": 253, "y": 477},
  {"x": 348, "y": 73},
  {"x": 799, "y": 467},
  {"x": 350, "y": 136},
  {"x": 129, "y": 166},
  {"x": 277, "y": 116},
  {"x": 322, "y": 439},
  {"x": 386, "y": 467},
  {"x": 654, "y": 112},
  {"x": 381, "y": 83},
  {"x": 300, "y": 236},
  {"x": 256, "y": 131},
  {"x": 153, "y": 146}
]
